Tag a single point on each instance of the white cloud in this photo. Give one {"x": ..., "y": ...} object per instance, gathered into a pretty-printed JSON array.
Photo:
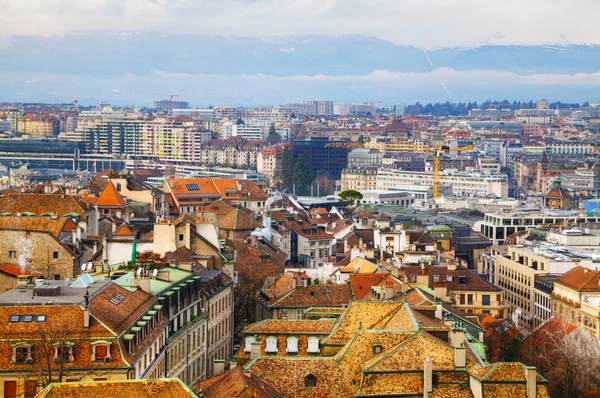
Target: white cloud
[{"x": 426, "y": 23}]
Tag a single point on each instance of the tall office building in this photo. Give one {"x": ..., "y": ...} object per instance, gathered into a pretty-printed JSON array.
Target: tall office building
[
  {"x": 320, "y": 155},
  {"x": 169, "y": 105},
  {"x": 322, "y": 107}
]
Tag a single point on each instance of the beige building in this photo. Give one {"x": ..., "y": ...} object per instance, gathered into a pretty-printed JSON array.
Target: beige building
[
  {"x": 38, "y": 126},
  {"x": 516, "y": 271},
  {"x": 359, "y": 178},
  {"x": 577, "y": 299}
]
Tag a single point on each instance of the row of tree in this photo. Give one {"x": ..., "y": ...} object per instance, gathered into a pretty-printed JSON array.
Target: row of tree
[
  {"x": 295, "y": 174},
  {"x": 463, "y": 108}
]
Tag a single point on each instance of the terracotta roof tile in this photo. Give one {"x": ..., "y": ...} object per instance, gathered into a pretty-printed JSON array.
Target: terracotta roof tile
[
  {"x": 238, "y": 220},
  {"x": 110, "y": 197},
  {"x": 581, "y": 279},
  {"x": 364, "y": 266},
  {"x": 15, "y": 271},
  {"x": 159, "y": 388},
  {"x": 316, "y": 296},
  {"x": 284, "y": 326},
  {"x": 37, "y": 224},
  {"x": 123, "y": 230},
  {"x": 39, "y": 204}
]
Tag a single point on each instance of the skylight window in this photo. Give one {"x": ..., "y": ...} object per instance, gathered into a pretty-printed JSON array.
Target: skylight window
[
  {"x": 117, "y": 295},
  {"x": 192, "y": 187},
  {"x": 28, "y": 318},
  {"x": 14, "y": 318},
  {"x": 115, "y": 302},
  {"x": 41, "y": 318}
]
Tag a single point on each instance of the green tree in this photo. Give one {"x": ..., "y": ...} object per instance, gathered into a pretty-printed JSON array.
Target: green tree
[
  {"x": 273, "y": 137},
  {"x": 301, "y": 177},
  {"x": 239, "y": 122},
  {"x": 350, "y": 196},
  {"x": 287, "y": 167},
  {"x": 361, "y": 139},
  {"x": 293, "y": 115}
]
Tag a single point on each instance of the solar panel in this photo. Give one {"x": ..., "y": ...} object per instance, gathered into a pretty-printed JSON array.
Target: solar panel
[{"x": 192, "y": 187}]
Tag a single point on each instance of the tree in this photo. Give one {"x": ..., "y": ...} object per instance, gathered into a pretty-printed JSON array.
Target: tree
[
  {"x": 273, "y": 137},
  {"x": 568, "y": 356},
  {"x": 287, "y": 164},
  {"x": 293, "y": 115},
  {"x": 239, "y": 122},
  {"x": 361, "y": 139},
  {"x": 301, "y": 177},
  {"x": 350, "y": 196}
]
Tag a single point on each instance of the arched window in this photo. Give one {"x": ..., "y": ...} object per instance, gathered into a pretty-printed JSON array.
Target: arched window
[
  {"x": 248, "y": 345},
  {"x": 313, "y": 345},
  {"x": 271, "y": 345},
  {"x": 310, "y": 380},
  {"x": 365, "y": 221},
  {"x": 292, "y": 345}
]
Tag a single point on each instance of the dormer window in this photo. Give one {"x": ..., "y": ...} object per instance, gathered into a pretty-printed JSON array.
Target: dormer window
[
  {"x": 271, "y": 345},
  {"x": 63, "y": 352},
  {"x": 377, "y": 348},
  {"x": 101, "y": 351},
  {"x": 310, "y": 381},
  {"x": 292, "y": 345},
  {"x": 22, "y": 354},
  {"x": 313, "y": 345},
  {"x": 248, "y": 345}
]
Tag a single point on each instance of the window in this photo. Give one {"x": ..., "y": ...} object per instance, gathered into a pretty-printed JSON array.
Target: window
[
  {"x": 181, "y": 237},
  {"x": 485, "y": 299},
  {"x": 119, "y": 186},
  {"x": 310, "y": 380},
  {"x": 377, "y": 348},
  {"x": 14, "y": 318},
  {"x": 30, "y": 388},
  {"x": 63, "y": 353},
  {"x": 313, "y": 345},
  {"x": 27, "y": 318},
  {"x": 12, "y": 254},
  {"x": 101, "y": 351},
  {"x": 292, "y": 345},
  {"x": 271, "y": 345},
  {"x": 56, "y": 277},
  {"x": 248, "y": 345},
  {"x": 22, "y": 354},
  {"x": 55, "y": 255}
]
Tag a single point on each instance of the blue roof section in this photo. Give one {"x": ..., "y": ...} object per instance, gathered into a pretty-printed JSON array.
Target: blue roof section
[{"x": 83, "y": 281}]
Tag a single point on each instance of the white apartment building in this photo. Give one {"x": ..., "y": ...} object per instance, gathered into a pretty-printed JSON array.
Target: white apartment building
[
  {"x": 168, "y": 140},
  {"x": 460, "y": 184},
  {"x": 248, "y": 132}
]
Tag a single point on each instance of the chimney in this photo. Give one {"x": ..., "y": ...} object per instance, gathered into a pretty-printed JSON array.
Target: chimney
[
  {"x": 232, "y": 365},
  {"x": 255, "y": 348},
  {"x": 438, "y": 310},
  {"x": 188, "y": 235},
  {"x": 394, "y": 271},
  {"x": 104, "y": 248},
  {"x": 298, "y": 281},
  {"x": 389, "y": 290},
  {"x": 305, "y": 280},
  {"x": 531, "y": 380},
  {"x": 460, "y": 357},
  {"x": 427, "y": 377},
  {"x": 218, "y": 367},
  {"x": 457, "y": 334},
  {"x": 441, "y": 292},
  {"x": 86, "y": 310},
  {"x": 145, "y": 283},
  {"x": 114, "y": 226}
]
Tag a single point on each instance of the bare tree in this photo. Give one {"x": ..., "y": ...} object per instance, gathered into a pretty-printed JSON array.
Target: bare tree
[{"x": 567, "y": 355}]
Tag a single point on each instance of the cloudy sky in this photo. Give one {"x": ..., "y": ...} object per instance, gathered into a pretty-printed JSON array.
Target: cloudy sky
[{"x": 44, "y": 56}]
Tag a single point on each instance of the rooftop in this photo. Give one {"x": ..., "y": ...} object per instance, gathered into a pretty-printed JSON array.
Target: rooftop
[
  {"x": 68, "y": 295},
  {"x": 157, "y": 388}
]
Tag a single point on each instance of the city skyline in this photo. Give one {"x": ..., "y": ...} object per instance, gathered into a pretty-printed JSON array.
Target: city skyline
[{"x": 253, "y": 53}]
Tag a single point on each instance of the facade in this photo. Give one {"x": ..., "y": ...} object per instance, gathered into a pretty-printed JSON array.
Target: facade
[
  {"x": 365, "y": 158},
  {"x": 171, "y": 140},
  {"x": 169, "y": 105},
  {"x": 498, "y": 226},
  {"x": 234, "y": 151},
  {"x": 543, "y": 287},
  {"x": 311, "y": 246},
  {"x": 38, "y": 126},
  {"x": 517, "y": 271},
  {"x": 582, "y": 180},
  {"x": 248, "y": 132},
  {"x": 269, "y": 162},
  {"x": 322, "y": 155},
  {"x": 359, "y": 178},
  {"x": 321, "y": 107},
  {"x": 458, "y": 183},
  {"x": 576, "y": 297}
]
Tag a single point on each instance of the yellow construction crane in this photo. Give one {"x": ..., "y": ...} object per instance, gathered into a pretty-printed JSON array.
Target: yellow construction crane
[{"x": 437, "y": 166}]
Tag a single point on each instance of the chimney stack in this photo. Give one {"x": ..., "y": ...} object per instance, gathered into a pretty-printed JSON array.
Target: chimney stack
[
  {"x": 438, "y": 310},
  {"x": 531, "y": 380},
  {"x": 305, "y": 281},
  {"x": 457, "y": 335},
  {"x": 427, "y": 377},
  {"x": 389, "y": 290},
  {"x": 460, "y": 357},
  {"x": 86, "y": 310},
  {"x": 218, "y": 367}
]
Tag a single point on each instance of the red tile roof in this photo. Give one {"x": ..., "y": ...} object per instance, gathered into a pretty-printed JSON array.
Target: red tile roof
[
  {"x": 14, "y": 270},
  {"x": 110, "y": 197},
  {"x": 160, "y": 388},
  {"x": 581, "y": 279}
]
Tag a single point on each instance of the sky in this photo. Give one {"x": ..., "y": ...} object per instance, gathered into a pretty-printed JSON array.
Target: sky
[{"x": 29, "y": 28}]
